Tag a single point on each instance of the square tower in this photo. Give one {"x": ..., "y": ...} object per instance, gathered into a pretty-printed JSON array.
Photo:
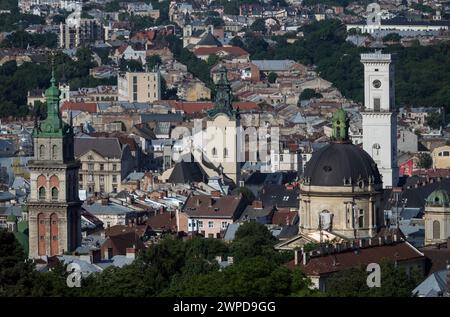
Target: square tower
[
  {"x": 379, "y": 115},
  {"x": 379, "y": 91},
  {"x": 54, "y": 208}
]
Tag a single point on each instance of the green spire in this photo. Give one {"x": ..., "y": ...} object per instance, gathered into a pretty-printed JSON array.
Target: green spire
[
  {"x": 52, "y": 126},
  {"x": 340, "y": 124},
  {"x": 223, "y": 103}
]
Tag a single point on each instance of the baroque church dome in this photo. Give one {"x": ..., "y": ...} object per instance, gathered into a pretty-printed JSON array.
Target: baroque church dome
[
  {"x": 341, "y": 163},
  {"x": 439, "y": 198}
]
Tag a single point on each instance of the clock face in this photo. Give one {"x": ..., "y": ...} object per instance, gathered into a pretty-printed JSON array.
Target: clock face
[{"x": 376, "y": 83}]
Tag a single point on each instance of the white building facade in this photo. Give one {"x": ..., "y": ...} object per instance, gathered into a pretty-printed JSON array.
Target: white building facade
[{"x": 379, "y": 115}]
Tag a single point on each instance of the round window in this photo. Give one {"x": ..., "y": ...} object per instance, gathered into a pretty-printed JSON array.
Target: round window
[{"x": 376, "y": 83}]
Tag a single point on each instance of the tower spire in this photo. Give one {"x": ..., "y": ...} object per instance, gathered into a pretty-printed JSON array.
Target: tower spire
[
  {"x": 223, "y": 99},
  {"x": 340, "y": 123}
]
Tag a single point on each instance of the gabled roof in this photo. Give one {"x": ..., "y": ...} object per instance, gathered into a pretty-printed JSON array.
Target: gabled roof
[
  {"x": 433, "y": 285},
  {"x": 213, "y": 207},
  {"x": 107, "y": 147},
  {"x": 209, "y": 40},
  {"x": 186, "y": 172}
]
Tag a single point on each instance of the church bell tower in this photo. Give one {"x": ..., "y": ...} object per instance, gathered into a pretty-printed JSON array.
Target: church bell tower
[{"x": 53, "y": 206}]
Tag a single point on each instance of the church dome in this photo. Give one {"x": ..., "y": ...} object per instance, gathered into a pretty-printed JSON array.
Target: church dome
[
  {"x": 438, "y": 198},
  {"x": 340, "y": 164}
]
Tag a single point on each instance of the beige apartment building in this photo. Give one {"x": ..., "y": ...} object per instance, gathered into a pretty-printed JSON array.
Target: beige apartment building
[
  {"x": 441, "y": 157},
  {"x": 104, "y": 163},
  {"x": 139, "y": 86}
]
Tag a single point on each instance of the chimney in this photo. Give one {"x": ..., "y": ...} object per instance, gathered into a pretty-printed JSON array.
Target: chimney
[
  {"x": 215, "y": 193},
  {"x": 131, "y": 253},
  {"x": 105, "y": 201}
]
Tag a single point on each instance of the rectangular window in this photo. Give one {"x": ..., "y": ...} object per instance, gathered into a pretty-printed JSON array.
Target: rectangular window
[
  {"x": 102, "y": 167},
  {"x": 210, "y": 224},
  {"x": 90, "y": 167},
  {"x": 200, "y": 224},
  {"x": 361, "y": 219},
  {"x": 81, "y": 177},
  {"x": 224, "y": 224},
  {"x": 114, "y": 178},
  {"x": 376, "y": 104},
  {"x": 102, "y": 178},
  {"x": 114, "y": 167}
]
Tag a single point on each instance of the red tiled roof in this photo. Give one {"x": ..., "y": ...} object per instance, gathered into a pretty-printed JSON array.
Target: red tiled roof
[
  {"x": 165, "y": 220},
  {"x": 90, "y": 107},
  {"x": 337, "y": 262},
  {"x": 212, "y": 207},
  {"x": 283, "y": 217},
  {"x": 146, "y": 35},
  {"x": 245, "y": 105},
  {"x": 231, "y": 50}
]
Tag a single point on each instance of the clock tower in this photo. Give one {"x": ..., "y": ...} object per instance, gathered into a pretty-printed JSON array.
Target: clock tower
[
  {"x": 379, "y": 115},
  {"x": 53, "y": 205}
]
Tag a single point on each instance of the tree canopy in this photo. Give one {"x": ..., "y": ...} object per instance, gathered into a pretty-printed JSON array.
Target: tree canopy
[{"x": 422, "y": 76}]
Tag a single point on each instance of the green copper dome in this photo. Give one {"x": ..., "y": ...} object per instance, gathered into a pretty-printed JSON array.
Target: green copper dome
[
  {"x": 52, "y": 126},
  {"x": 439, "y": 198},
  {"x": 340, "y": 125},
  {"x": 52, "y": 92}
]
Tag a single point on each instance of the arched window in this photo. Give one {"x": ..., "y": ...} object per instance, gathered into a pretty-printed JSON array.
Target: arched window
[
  {"x": 42, "y": 151},
  {"x": 55, "y": 193},
  {"x": 42, "y": 193},
  {"x": 376, "y": 152},
  {"x": 54, "y": 152},
  {"x": 436, "y": 230}
]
